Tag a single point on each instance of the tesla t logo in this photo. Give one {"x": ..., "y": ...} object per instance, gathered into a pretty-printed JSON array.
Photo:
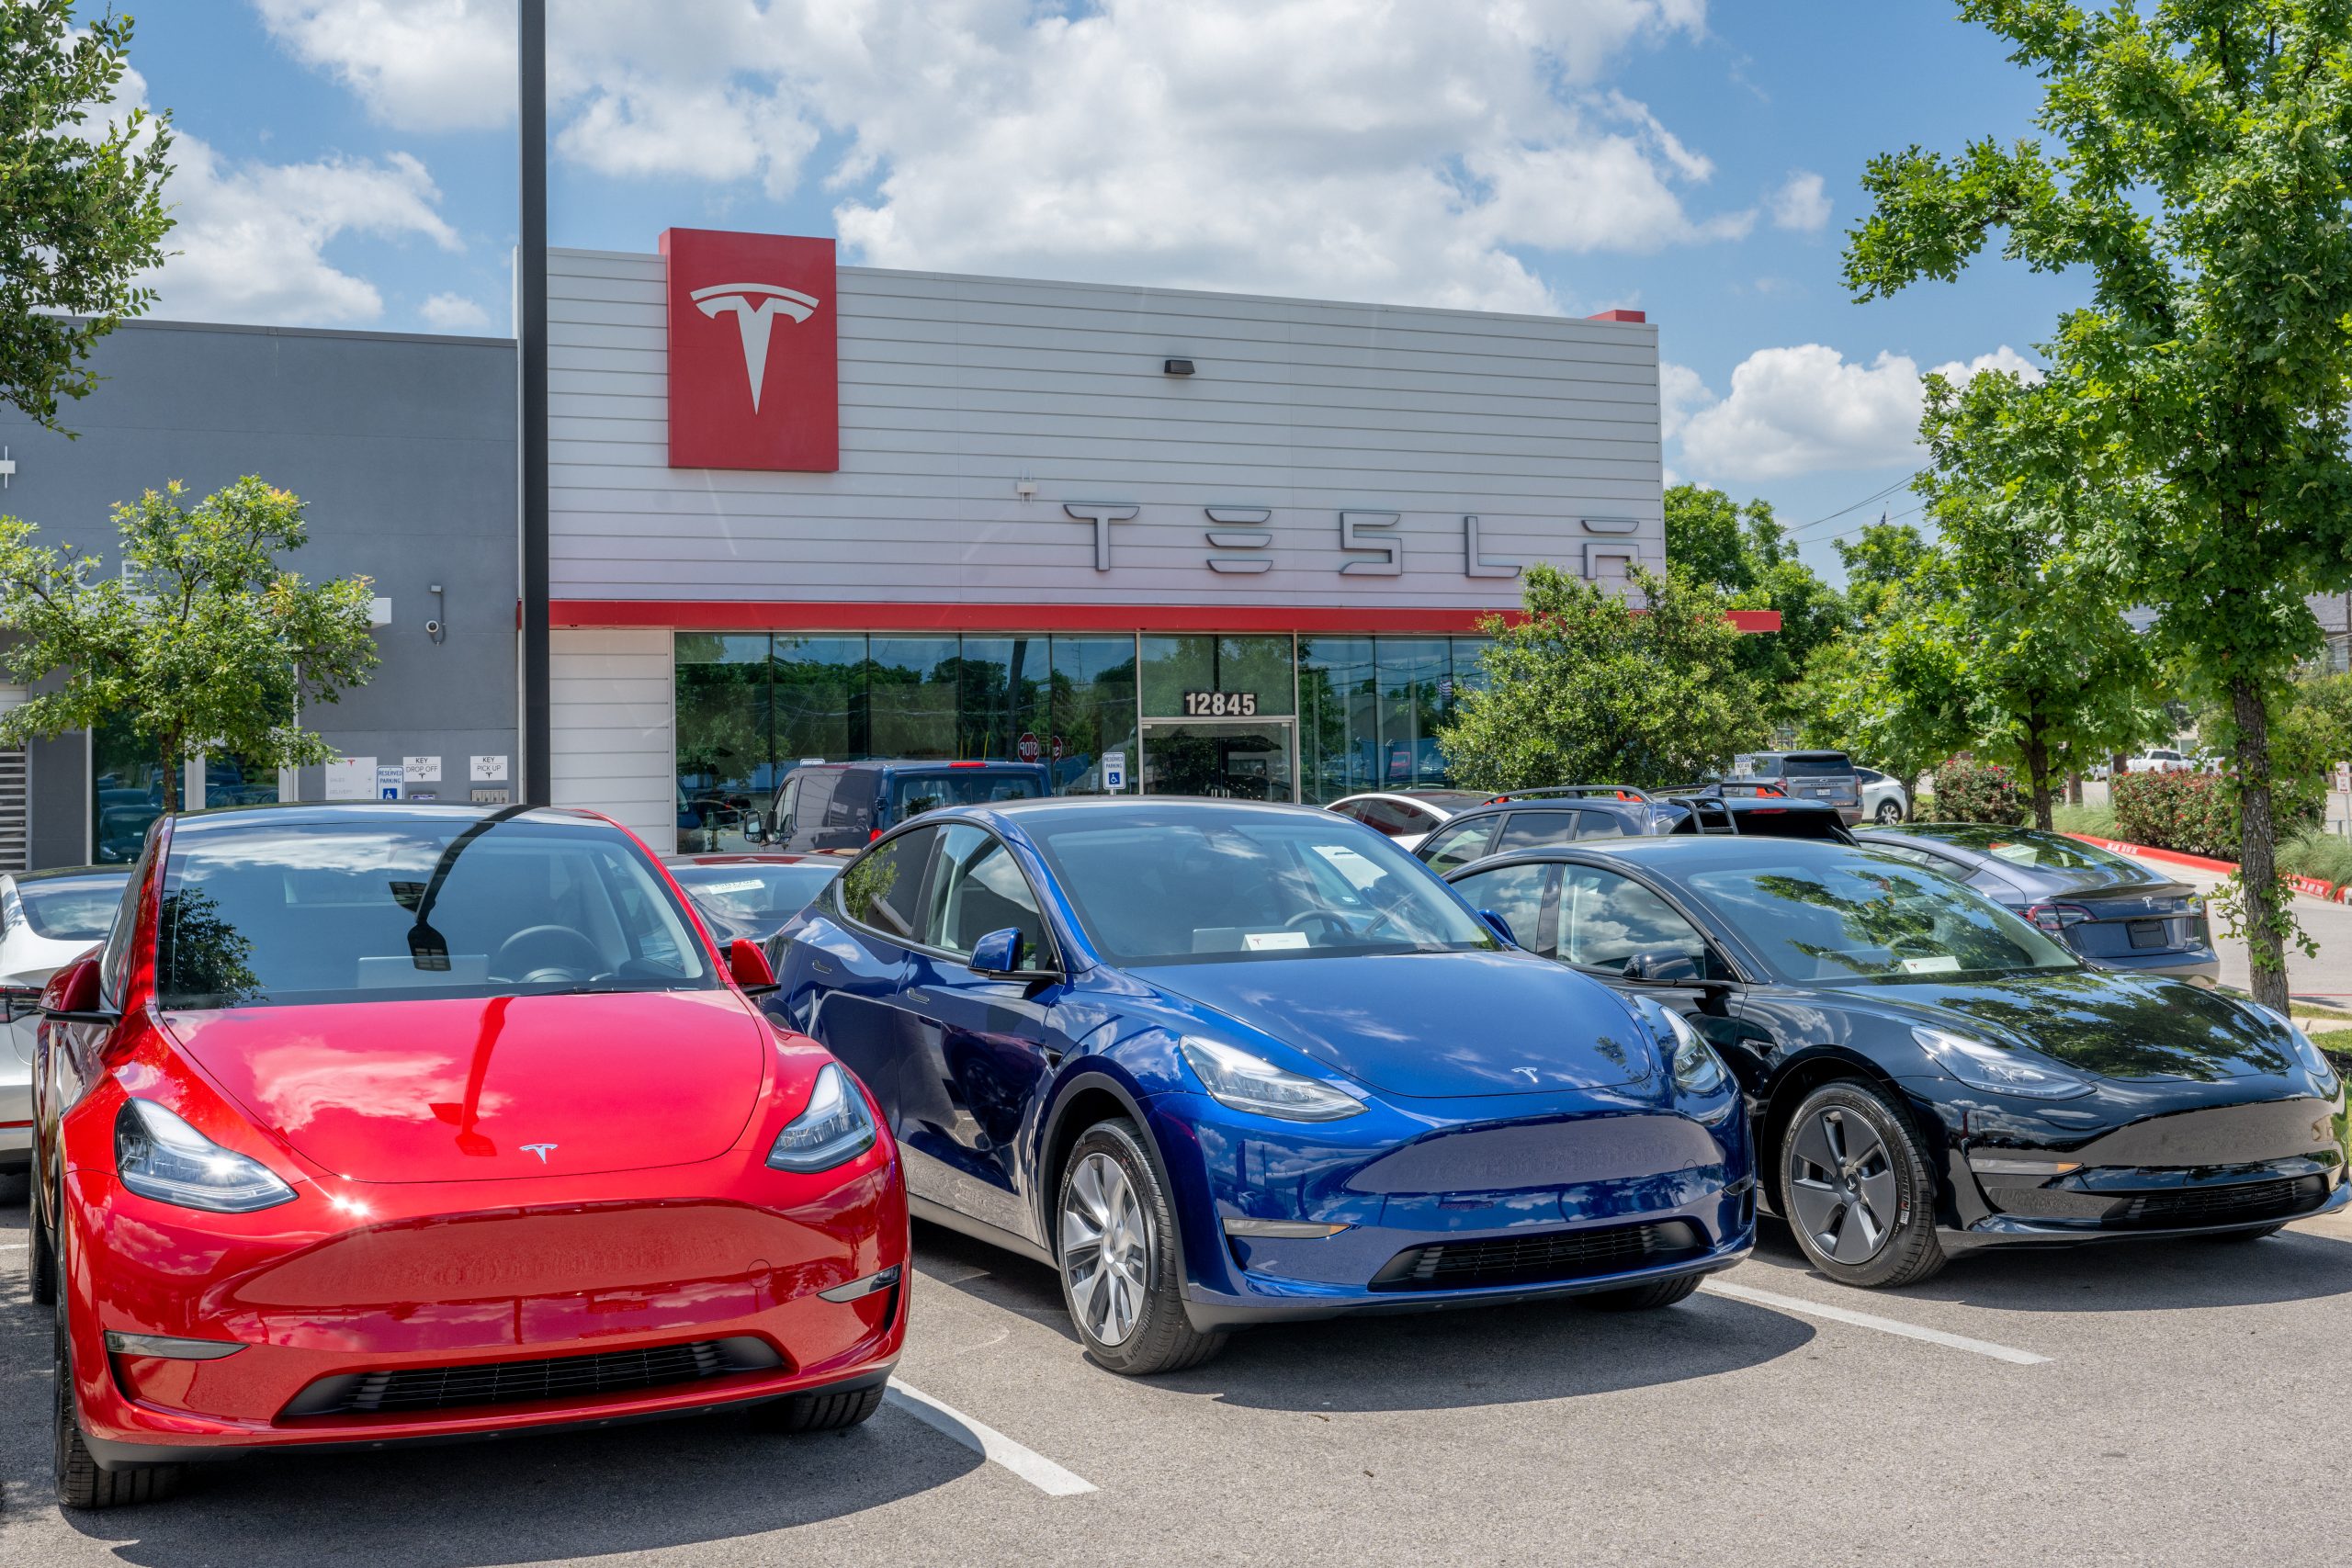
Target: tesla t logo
[
  {"x": 542, "y": 1150},
  {"x": 756, "y": 306},
  {"x": 754, "y": 375},
  {"x": 1531, "y": 1076}
]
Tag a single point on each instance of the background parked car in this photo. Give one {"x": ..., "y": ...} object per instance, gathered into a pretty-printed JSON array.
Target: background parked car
[
  {"x": 2160, "y": 760},
  {"x": 750, "y": 897},
  {"x": 1884, "y": 800},
  {"x": 1545, "y": 819},
  {"x": 847, "y": 806},
  {"x": 2116, "y": 911},
  {"x": 1408, "y": 816},
  {"x": 1826, "y": 776},
  {"x": 47, "y": 919}
]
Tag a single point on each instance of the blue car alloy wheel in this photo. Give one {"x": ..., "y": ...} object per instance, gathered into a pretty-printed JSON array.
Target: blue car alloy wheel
[{"x": 1223, "y": 1064}]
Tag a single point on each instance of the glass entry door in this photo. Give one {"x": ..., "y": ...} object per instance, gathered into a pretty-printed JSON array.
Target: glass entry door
[{"x": 1243, "y": 759}]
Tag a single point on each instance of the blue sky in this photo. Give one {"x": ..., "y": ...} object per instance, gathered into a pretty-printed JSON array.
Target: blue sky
[{"x": 351, "y": 162}]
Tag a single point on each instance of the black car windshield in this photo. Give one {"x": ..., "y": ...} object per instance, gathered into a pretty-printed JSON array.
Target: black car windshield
[
  {"x": 911, "y": 794},
  {"x": 757, "y": 894},
  {"x": 341, "y": 909},
  {"x": 2042, "y": 851},
  {"x": 1869, "y": 918},
  {"x": 70, "y": 909},
  {"x": 1191, "y": 884}
]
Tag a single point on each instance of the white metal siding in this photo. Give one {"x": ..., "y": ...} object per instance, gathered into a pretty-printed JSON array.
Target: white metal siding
[
  {"x": 609, "y": 695},
  {"x": 955, "y": 388}
]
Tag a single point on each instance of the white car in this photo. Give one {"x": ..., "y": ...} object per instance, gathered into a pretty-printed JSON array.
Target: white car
[
  {"x": 2159, "y": 760},
  {"x": 1408, "y": 816},
  {"x": 47, "y": 919},
  {"x": 1884, "y": 800}
]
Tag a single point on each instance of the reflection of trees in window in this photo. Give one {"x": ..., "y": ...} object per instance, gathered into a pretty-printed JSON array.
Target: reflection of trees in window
[
  {"x": 2089, "y": 1022},
  {"x": 866, "y": 888},
  {"x": 201, "y": 957},
  {"x": 1901, "y": 919}
]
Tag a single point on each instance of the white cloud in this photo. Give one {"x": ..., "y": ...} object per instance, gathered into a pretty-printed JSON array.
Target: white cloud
[
  {"x": 1334, "y": 148},
  {"x": 248, "y": 242},
  {"x": 1800, "y": 204},
  {"x": 1679, "y": 391},
  {"x": 1806, "y": 409},
  {"x": 454, "y": 313}
]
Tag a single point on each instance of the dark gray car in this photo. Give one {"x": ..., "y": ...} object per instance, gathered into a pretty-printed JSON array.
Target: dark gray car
[{"x": 2118, "y": 912}]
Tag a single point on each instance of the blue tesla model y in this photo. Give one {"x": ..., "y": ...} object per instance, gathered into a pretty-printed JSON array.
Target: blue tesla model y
[{"x": 1221, "y": 1064}]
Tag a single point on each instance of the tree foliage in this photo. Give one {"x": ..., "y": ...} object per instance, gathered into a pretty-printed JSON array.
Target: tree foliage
[
  {"x": 1890, "y": 693},
  {"x": 2195, "y": 177},
  {"x": 1589, "y": 688},
  {"x": 1743, "y": 551},
  {"x": 202, "y": 641},
  {"x": 81, "y": 214}
]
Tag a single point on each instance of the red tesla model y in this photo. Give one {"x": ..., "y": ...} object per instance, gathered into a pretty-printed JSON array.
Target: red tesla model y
[{"x": 383, "y": 1122}]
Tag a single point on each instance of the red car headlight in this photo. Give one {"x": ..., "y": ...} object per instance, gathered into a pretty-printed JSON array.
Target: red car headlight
[
  {"x": 834, "y": 1130},
  {"x": 159, "y": 1156}
]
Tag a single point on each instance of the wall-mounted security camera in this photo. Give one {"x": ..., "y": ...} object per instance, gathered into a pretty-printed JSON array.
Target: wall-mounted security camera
[{"x": 433, "y": 630}]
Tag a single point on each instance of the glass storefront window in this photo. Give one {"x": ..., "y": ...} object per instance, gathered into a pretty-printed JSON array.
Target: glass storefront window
[
  {"x": 126, "y": 791},
  {"x": 1092, "y": 710},
  {"x": 1004, "y": 682},
  {"x": 1415, "y": 673},
  {"x": 1259, "y": 667},
  {"x": 911, "y": 698},
  {"x": 725, "y": 749},
  {"x": 1338, "y": 731},
  {"x": 817, "y": 696}
]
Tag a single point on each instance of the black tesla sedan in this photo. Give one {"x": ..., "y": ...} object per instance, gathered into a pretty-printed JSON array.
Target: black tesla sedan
[
  {"x": 1926, "y": 1072},
  {"x": 2118, "y": 912}
]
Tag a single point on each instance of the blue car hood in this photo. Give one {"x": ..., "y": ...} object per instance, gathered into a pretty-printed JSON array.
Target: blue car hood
[{"x": 1430, "y": 1025}]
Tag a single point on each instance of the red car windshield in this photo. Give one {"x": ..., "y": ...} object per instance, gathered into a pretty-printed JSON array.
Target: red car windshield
[{"x": 349, "y": 911}]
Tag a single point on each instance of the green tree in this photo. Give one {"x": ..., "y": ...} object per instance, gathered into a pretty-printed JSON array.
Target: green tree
[
  {"x": 2052, "y": 676},
  {"x": 2196, "y": 178},
  {"x": 82, "y": 214},
  {"x": 1884, "y": 693},
  {"x": 1743, "y": 551},
  {"x": 1879, "y": 561},
  {"x": 202, "y": 641},
  {"x": 1586, "y": 687}
]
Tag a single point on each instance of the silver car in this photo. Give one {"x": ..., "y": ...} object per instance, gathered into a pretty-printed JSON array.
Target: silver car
[
  {"x": 1884, "y": 800},
  {"x": 47, "y": 919}
]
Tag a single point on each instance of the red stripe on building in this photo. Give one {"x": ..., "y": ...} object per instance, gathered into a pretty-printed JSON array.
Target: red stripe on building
[{"x": 764, "y": 615}]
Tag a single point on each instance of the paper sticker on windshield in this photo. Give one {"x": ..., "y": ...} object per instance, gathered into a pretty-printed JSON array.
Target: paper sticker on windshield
[
  {"x": 1263, "y": 942},
  {"x": 1943, "y": 964}
]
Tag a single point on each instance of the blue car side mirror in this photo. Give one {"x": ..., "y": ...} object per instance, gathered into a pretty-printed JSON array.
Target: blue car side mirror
[
  {"x": 1000, "y": 952},
  {"x": 1500, "y": 927}
]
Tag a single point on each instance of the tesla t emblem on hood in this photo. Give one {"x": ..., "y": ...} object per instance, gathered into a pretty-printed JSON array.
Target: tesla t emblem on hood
[
  {"x": 1531, "y": 1076},
  {"x": 542, "y": 1150}
]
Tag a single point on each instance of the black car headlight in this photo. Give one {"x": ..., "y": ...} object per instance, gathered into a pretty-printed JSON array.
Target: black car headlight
[
  {"x": 2314, "y": 1060},
  {"x": 1697, "y": 1069},
  {"x": 159, "y": 1156},
  {"x": 1981, "y": 1065},
  {"x": 833, "y": 1130}
]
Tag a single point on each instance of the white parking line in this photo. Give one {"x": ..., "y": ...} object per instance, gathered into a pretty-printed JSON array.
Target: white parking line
[
  {"x": 1883, "y": 1325},
  {"x": 1031, "y": 1466}
]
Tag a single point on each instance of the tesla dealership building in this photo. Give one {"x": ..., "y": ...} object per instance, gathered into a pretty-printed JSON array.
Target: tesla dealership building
[{"x": 1156, "y": 540}]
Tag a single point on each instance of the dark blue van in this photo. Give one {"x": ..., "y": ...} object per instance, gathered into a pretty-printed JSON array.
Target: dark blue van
[{"x": 846, "y": 805}]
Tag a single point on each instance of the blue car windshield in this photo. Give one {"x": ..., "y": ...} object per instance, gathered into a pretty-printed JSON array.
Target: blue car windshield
[
  {"x": 1868, "y": 917},
  {"x": 1183, "y": 885}
]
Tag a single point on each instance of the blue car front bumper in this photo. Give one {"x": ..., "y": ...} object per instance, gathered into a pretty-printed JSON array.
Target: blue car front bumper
[{"x": 1451, "y": 1203}]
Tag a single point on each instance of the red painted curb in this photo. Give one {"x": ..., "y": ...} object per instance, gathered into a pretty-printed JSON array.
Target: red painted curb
[{"x": 2312, "y": 885}]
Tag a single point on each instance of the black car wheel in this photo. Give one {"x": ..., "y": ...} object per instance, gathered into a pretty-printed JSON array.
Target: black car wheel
[
  {"x": 1890, "y": 812},
  {"x": 1122, "y": 1279},
  {"x": 1858, "y": 1189},
  {"x": 80, "y": 1483}
]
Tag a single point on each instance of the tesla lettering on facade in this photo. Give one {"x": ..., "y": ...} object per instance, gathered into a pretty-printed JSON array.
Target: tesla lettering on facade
[{"x": 754, "y": 379}]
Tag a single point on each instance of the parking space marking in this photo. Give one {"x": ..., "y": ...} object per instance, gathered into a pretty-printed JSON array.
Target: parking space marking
[
  {"x": 1027, "y": 1463},
  {"x": 1867, "y": 1320}
]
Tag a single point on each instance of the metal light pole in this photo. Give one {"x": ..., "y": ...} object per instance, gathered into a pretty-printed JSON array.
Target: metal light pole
[{"x": 532, "y": 132}]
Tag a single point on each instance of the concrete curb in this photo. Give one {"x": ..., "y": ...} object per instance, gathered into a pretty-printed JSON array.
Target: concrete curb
[{"x": 2311, "y": 887}]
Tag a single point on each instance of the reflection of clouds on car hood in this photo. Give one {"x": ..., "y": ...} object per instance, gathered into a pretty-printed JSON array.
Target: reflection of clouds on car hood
[{"x": 306, "y": 1077}]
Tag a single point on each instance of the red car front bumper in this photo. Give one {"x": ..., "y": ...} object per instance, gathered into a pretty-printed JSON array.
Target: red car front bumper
[{"x": 375, "y": 1313}]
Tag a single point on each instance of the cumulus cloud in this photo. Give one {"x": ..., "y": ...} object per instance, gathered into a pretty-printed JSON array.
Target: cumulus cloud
[
  {"x": 1800, "y": 203},
  {"x": 1680, "y": 392},
  {"x": 249, "y": 243},
  {"x": 1807, "y": 410},
  {"x": 1334, "y": 148},
  {"x": 454, "y": 313}
]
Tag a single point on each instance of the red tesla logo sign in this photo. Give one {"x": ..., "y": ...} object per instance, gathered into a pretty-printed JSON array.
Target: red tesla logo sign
[{"x": 753, "y": 356}]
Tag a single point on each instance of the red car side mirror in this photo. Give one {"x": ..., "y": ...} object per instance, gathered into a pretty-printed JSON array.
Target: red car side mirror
[
  {"x": 750, "y": 967},
  {"x": 73, "y": 994}
]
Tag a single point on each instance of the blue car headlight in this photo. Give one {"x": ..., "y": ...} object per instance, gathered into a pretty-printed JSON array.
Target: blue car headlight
[
  {"x": 833, "y": 1130},
  {"x": 1243, "y": 1082},
  {"x": 2313, "y": 1059},
  {"x": 1981, "y": 1065},
  {"x": 1697, "y": 1071}
]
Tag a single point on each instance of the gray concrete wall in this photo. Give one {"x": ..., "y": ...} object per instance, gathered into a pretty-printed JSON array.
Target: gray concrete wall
[{"x": 405, "y": 449}]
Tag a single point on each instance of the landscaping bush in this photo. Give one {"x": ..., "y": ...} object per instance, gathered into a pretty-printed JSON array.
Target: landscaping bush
[
  {"x": 1967, "y": 790},
  {"x": 2188, "y": 812},
  {"x": 2316, "y": 853}
]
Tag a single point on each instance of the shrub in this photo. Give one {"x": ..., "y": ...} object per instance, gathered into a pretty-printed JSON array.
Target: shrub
[
  {"x": 2316, "y": 853},
  {"x": 1968, "y": 790},
  {"x": 2190, "y": 812}
]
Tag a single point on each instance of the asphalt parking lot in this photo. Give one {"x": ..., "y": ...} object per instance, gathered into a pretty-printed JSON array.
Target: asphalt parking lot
[{"x": 2173, "y": 1402}]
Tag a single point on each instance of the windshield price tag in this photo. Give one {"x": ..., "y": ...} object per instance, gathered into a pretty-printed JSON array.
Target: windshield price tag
[{"x": 1220, "y": 705}]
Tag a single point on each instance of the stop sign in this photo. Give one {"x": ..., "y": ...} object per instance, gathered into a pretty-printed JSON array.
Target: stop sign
[{"x": 1028, "y": 748}]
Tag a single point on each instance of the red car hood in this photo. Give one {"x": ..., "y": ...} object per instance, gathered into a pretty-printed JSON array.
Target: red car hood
[{"x": 460, "y": 1090}]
